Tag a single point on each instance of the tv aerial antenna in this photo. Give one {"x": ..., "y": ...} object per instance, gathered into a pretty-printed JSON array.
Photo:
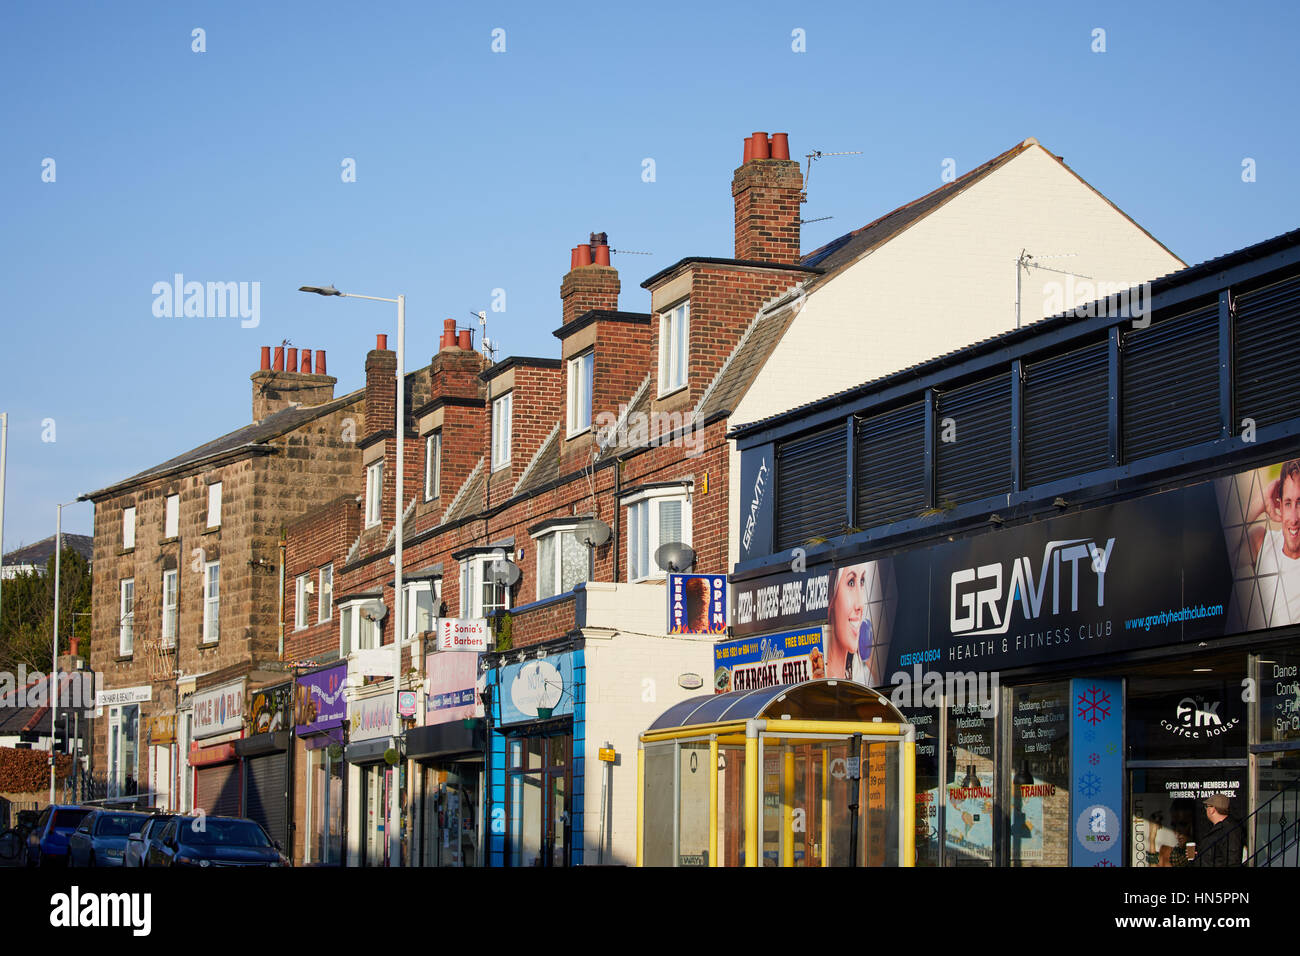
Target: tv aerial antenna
[
  {"x": 489, "y": 347},
  {"x": 812, "y": 157},
  {"x": 1027, "y": 260},
  {"x": 629, "y": 252}
]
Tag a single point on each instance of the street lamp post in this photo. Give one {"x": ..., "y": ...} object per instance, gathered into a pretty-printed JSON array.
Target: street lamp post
[
  {"x": 54, "y": 670},
  {"x": 399, "y": 623}
]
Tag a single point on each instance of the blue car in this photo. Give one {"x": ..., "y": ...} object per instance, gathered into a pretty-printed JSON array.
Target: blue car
[
  {"x": 47, "y": 844},
  {"x": 101, "y": 839},
  {"x": 214, "y": 841},
  {"x": 138, "y": 844}
]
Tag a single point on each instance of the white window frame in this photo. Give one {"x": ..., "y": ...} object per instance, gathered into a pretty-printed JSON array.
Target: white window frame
[
  {"x": 214, "y": 505},
  {"x": 433, "y": 465},
  {"x": 471, "y": 585},
  {"x": 300, "y": 602},
  {"x": 674, "y": 353},
  {"x": 410, "y": 590},
  {"x": 325, "y": 594},
  {"x": 126, "y": 617},
  {"x": 374, "y": 493},
  {"x": 651, "y": 500},
  {"x": 170, "y": 606},
  {"x": 362, "y": 634},
  {"x": 581, "y": 381},
  {"x": 128, "y": 528},
  {"x": 211, "y": 602},
  {"x": 502, "y": 406},
  {"x": 172, "y": 516},
  {"x": 553, "y": 576}
]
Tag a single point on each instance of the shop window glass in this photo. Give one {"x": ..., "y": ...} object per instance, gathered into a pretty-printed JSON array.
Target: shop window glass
[
  {"x": 693, "y": 805},
  {"x": 968, "y": 818},
  {"x": 1040, "y": 825},
  {"x": 1187, "y": 717},
  {"x": 731, "y": 804},
  {"x": 1277, "y": 677},
  {"x": 928, "y": 794},
  {"x": 1167, "y": 806}
]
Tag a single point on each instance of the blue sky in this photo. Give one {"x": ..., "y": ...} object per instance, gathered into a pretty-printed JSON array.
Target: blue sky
[{"x": 478, "y": 170}]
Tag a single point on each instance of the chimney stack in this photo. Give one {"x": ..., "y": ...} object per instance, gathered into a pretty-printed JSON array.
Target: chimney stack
[
  {"x": 279, "y": 384},
  {"x": 767, "y": 189},
  {"x": 591, "y": 283}
]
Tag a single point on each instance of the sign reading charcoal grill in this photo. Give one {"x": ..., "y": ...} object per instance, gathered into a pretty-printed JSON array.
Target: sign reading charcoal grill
[{"x": 1203, "y": 561}]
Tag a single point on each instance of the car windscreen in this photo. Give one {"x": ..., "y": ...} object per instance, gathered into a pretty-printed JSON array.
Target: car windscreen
[
  {"x": 120, "y": 824},
  {"x": 224, "y": 833},
  {"x": 68, "y": 819}
]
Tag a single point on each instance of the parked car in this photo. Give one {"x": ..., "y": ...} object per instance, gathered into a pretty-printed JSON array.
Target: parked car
[
  {"x": 101, "y": 838},
  {"x": 215, "y": 841},
  {"x": 137, "y": 844},
  {"x": 47, "y": 844}
]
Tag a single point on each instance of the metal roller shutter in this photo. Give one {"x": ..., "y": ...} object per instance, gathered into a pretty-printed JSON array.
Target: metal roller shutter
[
  {"x": 890, "y": 466},
  {"x": 218, "y": 790},
  {"x": 1268, "y": 351},
  {"x": 1168, "y": 373},
  {"x": 1063, "y": 423},
  {"x": 268, "y": 785},
  {"x": 811, "y": 472},
  {"x": 978, "y": 463}
]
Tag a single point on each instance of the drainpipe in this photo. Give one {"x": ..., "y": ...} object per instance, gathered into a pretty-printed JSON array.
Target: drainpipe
[
  {"x": 282, "y": 547},
  {"x": 618, "y": 486}
]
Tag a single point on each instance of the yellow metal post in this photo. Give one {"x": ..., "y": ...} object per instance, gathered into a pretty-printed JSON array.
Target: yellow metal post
[
  {"x": 713, "y": 802},
  {"x": 909, "y": 805},
  {"x": 752, "y": 797},
  {"x": 640, "y": 802},
  {"x": 787, "y": 806},
  {"x": 826, "y": 804}
]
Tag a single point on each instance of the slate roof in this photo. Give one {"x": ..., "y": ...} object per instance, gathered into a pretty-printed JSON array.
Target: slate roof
[
  {"x": 251, "y": 438},
  {"x": 41, "y": 552},
  {"x": 469, "y": 499}
]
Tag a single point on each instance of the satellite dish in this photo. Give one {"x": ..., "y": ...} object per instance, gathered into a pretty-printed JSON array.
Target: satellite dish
[
  {"x": 374, "y": 611},
  {"x": 504, "y": 573},
  {"x": 592, "y": 532},
  {"x": 675, "y": 557}
]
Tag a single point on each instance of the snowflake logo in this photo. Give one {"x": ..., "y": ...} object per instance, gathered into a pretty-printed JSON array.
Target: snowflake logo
[
  {"x": 1090, "y": 735},
  {"x": 1094, "y": 759},
  {"x": 1103, "y": 863},
  {"x": 1112, "y": 748},
  {"x": 1090, "y": 784},
  {"x": 1094, "y": 705}
]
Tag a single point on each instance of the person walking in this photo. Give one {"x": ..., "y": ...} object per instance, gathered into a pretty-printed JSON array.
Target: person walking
[{"x": 1224, "y": 841}]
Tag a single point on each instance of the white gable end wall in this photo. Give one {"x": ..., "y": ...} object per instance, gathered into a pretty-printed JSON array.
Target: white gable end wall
[{"x": 950, "y": 280}]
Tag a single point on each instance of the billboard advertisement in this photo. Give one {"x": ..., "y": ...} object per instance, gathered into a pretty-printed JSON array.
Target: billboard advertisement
[
  {"x": 697, "y": 604},
  {"x": 787, "y": 658},
  {"x": 1215, "y": 558}
]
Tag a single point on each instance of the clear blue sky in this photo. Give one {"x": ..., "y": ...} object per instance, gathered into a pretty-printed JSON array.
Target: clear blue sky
[{"x": 478, "y": 170}]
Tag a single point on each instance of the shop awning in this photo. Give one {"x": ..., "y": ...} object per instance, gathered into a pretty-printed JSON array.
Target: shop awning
[
  {"x": 445, "y": 740},
  {"x": 260, "y": 744},
  {"x": 809, "y": 700}
]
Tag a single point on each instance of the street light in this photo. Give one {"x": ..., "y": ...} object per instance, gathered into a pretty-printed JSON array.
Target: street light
[
  {"x": 54, "y": 670},
  {"x": 399, "y": 617}
]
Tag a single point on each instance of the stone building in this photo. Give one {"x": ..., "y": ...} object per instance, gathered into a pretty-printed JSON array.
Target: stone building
[{"x": 187, "y": 592}]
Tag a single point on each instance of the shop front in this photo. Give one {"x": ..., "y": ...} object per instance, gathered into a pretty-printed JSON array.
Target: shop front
[
  {"x": 160, "y": 738},
  {"x": 373, "y": 769},
  {"x": 218, "y": 721},
  {"x": 264, "y": 756},
  {"x": 535, "y": 806},
  {"x": 320, "y": 710},
  {"x": 1079, "y": 685},
  {"x": 448, "y": 752}
]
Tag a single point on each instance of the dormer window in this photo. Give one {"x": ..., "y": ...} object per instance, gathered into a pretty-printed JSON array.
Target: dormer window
[
  {"x": 580, "y": 380},
  {"x": 674, "y": 333},
  {"x": 501, "y": 431},
  {"x": 374, "y": 493}
]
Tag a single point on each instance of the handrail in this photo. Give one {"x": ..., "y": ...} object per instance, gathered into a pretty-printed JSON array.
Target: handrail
[{"x": 1250, "y": 825}]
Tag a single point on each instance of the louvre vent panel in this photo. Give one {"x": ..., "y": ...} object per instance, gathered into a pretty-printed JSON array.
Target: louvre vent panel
[
  {"x": 978, "y": 463},
  {"x": 890, "y": 466},
  {"x": 1169, "y": 391},
  {"x": 811, "y": 472},
  {"x": 1268, "y": 354},
  {"x": 1063, "y": 429}
]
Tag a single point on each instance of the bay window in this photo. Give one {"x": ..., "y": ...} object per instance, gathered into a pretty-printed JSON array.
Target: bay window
[{"x": 357, "y": 631}]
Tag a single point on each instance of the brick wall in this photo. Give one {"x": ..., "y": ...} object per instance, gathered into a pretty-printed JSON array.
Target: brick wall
[{"x": 766, "y": 193}]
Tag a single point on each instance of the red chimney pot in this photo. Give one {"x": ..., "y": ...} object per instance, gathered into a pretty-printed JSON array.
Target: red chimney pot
[
  {"x": 584, "y": 255},
  {"x": 306, "y": 362},
  {"x": 466, "y": 339},
  {"x": 780, "y": 145},
  {"x": 762, "y": 150},
  {"x": 602, "y": 255},
  {"x": 266, "y": 358},
  {"x": 749, "y": 150},
  {"x": 291, "y": 361},
  {"x": 381, "y": 342},
  {"x": 278, "y": 366},
  {"x": 320, "y": 362}
]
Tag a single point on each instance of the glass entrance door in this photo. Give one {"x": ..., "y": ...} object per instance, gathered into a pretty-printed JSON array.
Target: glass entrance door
[{"x": 540, "y": 800}]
